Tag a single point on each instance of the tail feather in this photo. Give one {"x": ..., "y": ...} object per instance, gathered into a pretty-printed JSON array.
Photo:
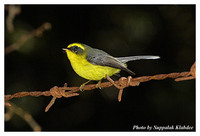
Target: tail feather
[{"x": 131, "y": 58}]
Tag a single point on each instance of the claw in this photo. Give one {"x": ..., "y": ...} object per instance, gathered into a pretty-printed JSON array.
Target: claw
[
  {"x": 82, "y": 86},
  {"x": 98, "y": 85}
]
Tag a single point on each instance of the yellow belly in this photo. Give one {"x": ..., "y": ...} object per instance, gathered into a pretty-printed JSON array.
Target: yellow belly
[{"x": 90, "y": 71}]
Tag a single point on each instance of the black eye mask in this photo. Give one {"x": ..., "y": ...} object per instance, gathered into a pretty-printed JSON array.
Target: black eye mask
[{"x": 76, "y": 49}]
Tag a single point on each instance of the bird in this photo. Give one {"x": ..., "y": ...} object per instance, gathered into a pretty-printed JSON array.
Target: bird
[{"x": 95, "y": 64}]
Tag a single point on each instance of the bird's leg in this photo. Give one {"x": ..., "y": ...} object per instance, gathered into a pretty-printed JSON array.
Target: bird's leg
[
  {"x": 98, "y": 85},
  {"x": 82, "y": 86}
]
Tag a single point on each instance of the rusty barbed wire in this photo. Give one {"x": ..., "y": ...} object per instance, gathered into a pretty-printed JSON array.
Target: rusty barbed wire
[{"x": 123, "y": 82}]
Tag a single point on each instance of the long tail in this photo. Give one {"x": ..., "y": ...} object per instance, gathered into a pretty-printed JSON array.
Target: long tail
[{"x": 131, "y": 58}]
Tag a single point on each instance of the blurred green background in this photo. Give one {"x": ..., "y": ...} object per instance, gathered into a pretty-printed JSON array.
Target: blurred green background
[{"x": 120, "y": 30}]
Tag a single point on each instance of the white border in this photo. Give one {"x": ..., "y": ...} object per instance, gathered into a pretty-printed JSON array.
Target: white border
[{"x": 99, "y": 2}]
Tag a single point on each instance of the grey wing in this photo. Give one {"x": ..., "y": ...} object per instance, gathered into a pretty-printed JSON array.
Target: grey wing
[
  {"x": 101, "y": 58},
  {"x": 131, "y": 58}
]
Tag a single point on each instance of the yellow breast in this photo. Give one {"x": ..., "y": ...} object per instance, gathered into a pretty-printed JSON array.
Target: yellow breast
[{"x": 87, "y": 70}]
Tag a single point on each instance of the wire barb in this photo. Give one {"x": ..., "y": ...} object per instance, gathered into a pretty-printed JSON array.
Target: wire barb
[
  {"x": 57, "y": 92},
  {"x": 123, "y": 82}
]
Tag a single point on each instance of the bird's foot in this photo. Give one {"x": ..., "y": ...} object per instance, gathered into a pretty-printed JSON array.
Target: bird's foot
[
  {"x": 98, "y": 85},
  {"x": 82, "y": 86}
]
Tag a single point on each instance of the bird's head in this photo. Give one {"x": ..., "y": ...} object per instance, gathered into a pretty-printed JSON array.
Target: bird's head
[
  {"x": 76, "y": 51},
  {"x": 75, "y": 48}
]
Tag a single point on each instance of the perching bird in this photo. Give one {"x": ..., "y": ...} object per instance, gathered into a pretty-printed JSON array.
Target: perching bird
[{"x": 95, "y": 64}]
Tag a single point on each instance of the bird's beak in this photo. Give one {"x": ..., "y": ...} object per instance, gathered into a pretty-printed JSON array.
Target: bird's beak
[{"x": 65, "y": 49}]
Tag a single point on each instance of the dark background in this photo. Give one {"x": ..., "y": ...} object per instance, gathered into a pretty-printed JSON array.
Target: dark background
[{"x": 120, "y": 30}]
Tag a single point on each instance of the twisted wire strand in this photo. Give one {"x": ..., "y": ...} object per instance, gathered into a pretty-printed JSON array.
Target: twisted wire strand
[{"x": 123, "y": 82}]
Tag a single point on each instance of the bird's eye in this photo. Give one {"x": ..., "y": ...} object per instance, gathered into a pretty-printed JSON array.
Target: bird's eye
[{"x": 76, "y": 49}]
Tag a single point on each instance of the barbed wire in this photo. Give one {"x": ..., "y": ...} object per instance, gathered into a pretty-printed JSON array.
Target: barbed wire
[
  {"x": 13, "y": 11},
  {"x": 123, "y": 82}
]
